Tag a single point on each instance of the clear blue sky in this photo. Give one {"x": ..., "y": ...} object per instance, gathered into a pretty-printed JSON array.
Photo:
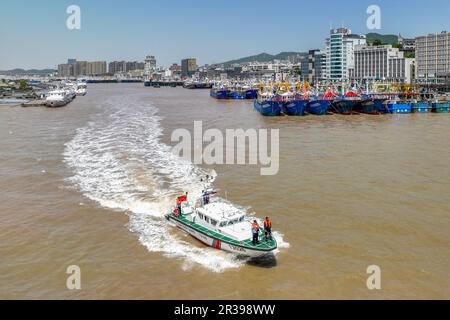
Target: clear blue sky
[{"x": 33, "y": 34}]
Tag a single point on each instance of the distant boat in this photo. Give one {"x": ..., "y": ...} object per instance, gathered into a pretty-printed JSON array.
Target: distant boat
[{"x": 197, "y": 85}]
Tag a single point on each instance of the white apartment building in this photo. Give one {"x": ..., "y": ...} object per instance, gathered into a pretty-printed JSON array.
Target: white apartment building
[
  {"x": 433, "y": 57},
  {"x": 382, "y": 63},
  {"x": 149, "y": 65},
  {"x": 340, "y": 58}
]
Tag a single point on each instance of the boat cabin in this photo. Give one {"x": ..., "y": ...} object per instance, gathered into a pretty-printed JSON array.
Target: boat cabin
[{"x": 225, "y": 219}]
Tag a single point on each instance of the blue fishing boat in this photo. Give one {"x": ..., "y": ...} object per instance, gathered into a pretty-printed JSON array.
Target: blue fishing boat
[
  {"x": 236, "y": 95},
  {"x": 370, "y": 105},
  {"x": 296, "y": 107},
  {"x": 345, "y": 104},
  {"x": 251, "y": 93},
  {"x": 422, "y": 107},
  {"x": 441, "y": 107},
  {"x": 219, "y": 93},
  {"x": 268, "y": 105},
  {"x": 318, "y": 106},
  {"x": 397, "y": 107}
]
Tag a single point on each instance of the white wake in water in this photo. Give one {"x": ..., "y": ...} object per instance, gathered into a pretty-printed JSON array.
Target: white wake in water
[{"x": 119, "y": 161}]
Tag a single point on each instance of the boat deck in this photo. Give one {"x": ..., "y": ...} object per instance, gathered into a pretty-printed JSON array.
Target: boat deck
[{"x": 263, "y": 245}]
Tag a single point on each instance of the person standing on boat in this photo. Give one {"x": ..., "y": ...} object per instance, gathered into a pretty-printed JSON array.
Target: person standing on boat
[
  {"x": 255, "y": 232},
  {"x": 267, "y": 229}
]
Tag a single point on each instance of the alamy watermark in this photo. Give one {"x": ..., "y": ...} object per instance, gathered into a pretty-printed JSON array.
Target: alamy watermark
[
  {"x": 73, "y": 21},
  {"x": 374, "y": 20},
  {"x": 374, "y": 280},
  {"x": 231, "y": 148},
  {"x": 73, "y": 281}
]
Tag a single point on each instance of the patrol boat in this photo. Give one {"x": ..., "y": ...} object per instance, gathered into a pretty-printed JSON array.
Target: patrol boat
[{"x": 220, "y": 225}]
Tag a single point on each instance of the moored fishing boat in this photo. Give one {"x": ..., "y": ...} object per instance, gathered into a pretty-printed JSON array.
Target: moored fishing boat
[
  {"x": 397, "y": 106},
  {"x": 370, "y": 105},
  {"x": 441, "y": 107},
  {"x": 221, "y": 93},
  {"x": 346, "y": 104},
  {"x": 236, "y": 93},
  {"x": 268, "y": 104},
  {"x": 250, "y": 93},
  {"x": 295, "y": 107},
  {"x": 220, "y": 225},
  {"x": 318, "y": 106},
  {"x": 421, "y": 107}
]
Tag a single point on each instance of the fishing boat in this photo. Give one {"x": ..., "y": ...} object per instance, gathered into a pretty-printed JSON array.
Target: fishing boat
[
  {"x": 441, "y": 107},
  {"x": 370, "y": 104},
  {"x": 268, "y": 104},
  {"x": 220, "y": 92},
  {"x": 250, "y": 93},
  {"x": 397, "y": 106},
  {"x": 236, "y": 93},
  {"x": 318, "y": 106},
  {"x": 422, "y": 107},
  {"x": 295, "y": 107},
  {"x": 346, "y": 104},
  {"x": 220, "y": 225}
]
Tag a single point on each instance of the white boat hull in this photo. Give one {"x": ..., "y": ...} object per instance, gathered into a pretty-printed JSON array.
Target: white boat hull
[{"x": 216, "y": 243}]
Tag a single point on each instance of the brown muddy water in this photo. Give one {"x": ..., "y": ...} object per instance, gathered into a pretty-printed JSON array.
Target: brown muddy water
[{"x": 88, "y": 185}]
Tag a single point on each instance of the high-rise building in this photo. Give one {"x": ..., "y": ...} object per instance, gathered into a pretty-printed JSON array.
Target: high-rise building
[
  {"x": 312, "y": 65},
  {"x": 149, "y": 65},
  {"x": 188, "y": 67},
  {"x": 96, "y": 68},
  {"x": 66, "y": 70},
  {"x": 117, "y": 66},
  {"x": 382, "y": 63},
  {"x": 433, "y": 58},
  {"x": 80, "y": 68},
  {"x": 340, "y": 58}
]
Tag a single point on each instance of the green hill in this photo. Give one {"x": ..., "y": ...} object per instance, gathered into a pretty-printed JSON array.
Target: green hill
[
  {"x": 384, "y": 39},
  {"x": 31, "y": 72},
  {"x": 262, "y": 57}
]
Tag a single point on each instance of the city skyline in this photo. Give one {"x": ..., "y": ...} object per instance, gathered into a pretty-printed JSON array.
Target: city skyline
[{"x": 36, "y": 36}]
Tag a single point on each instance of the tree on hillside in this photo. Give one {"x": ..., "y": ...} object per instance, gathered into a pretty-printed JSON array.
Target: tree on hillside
[
  {"x": 377, "y": 42},
  {"x": 23, "y": 84}
]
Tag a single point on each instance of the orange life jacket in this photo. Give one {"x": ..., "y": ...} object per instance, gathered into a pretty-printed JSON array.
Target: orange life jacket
[
  {"x": 256, "y": 226},
  {"x": 268, "y": 223}
]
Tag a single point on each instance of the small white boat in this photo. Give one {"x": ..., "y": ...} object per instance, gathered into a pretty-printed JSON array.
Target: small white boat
[
  {"x": 221, "y": 225},
  {"x": 59, "y": 98},
  {"x": 81, "y": 88}
]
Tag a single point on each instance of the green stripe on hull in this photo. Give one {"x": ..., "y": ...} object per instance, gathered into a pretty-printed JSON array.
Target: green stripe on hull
[{"x": 263, "y": 245}]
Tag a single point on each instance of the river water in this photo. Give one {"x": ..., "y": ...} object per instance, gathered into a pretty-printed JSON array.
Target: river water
[{"x": 88, "y": 185}]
